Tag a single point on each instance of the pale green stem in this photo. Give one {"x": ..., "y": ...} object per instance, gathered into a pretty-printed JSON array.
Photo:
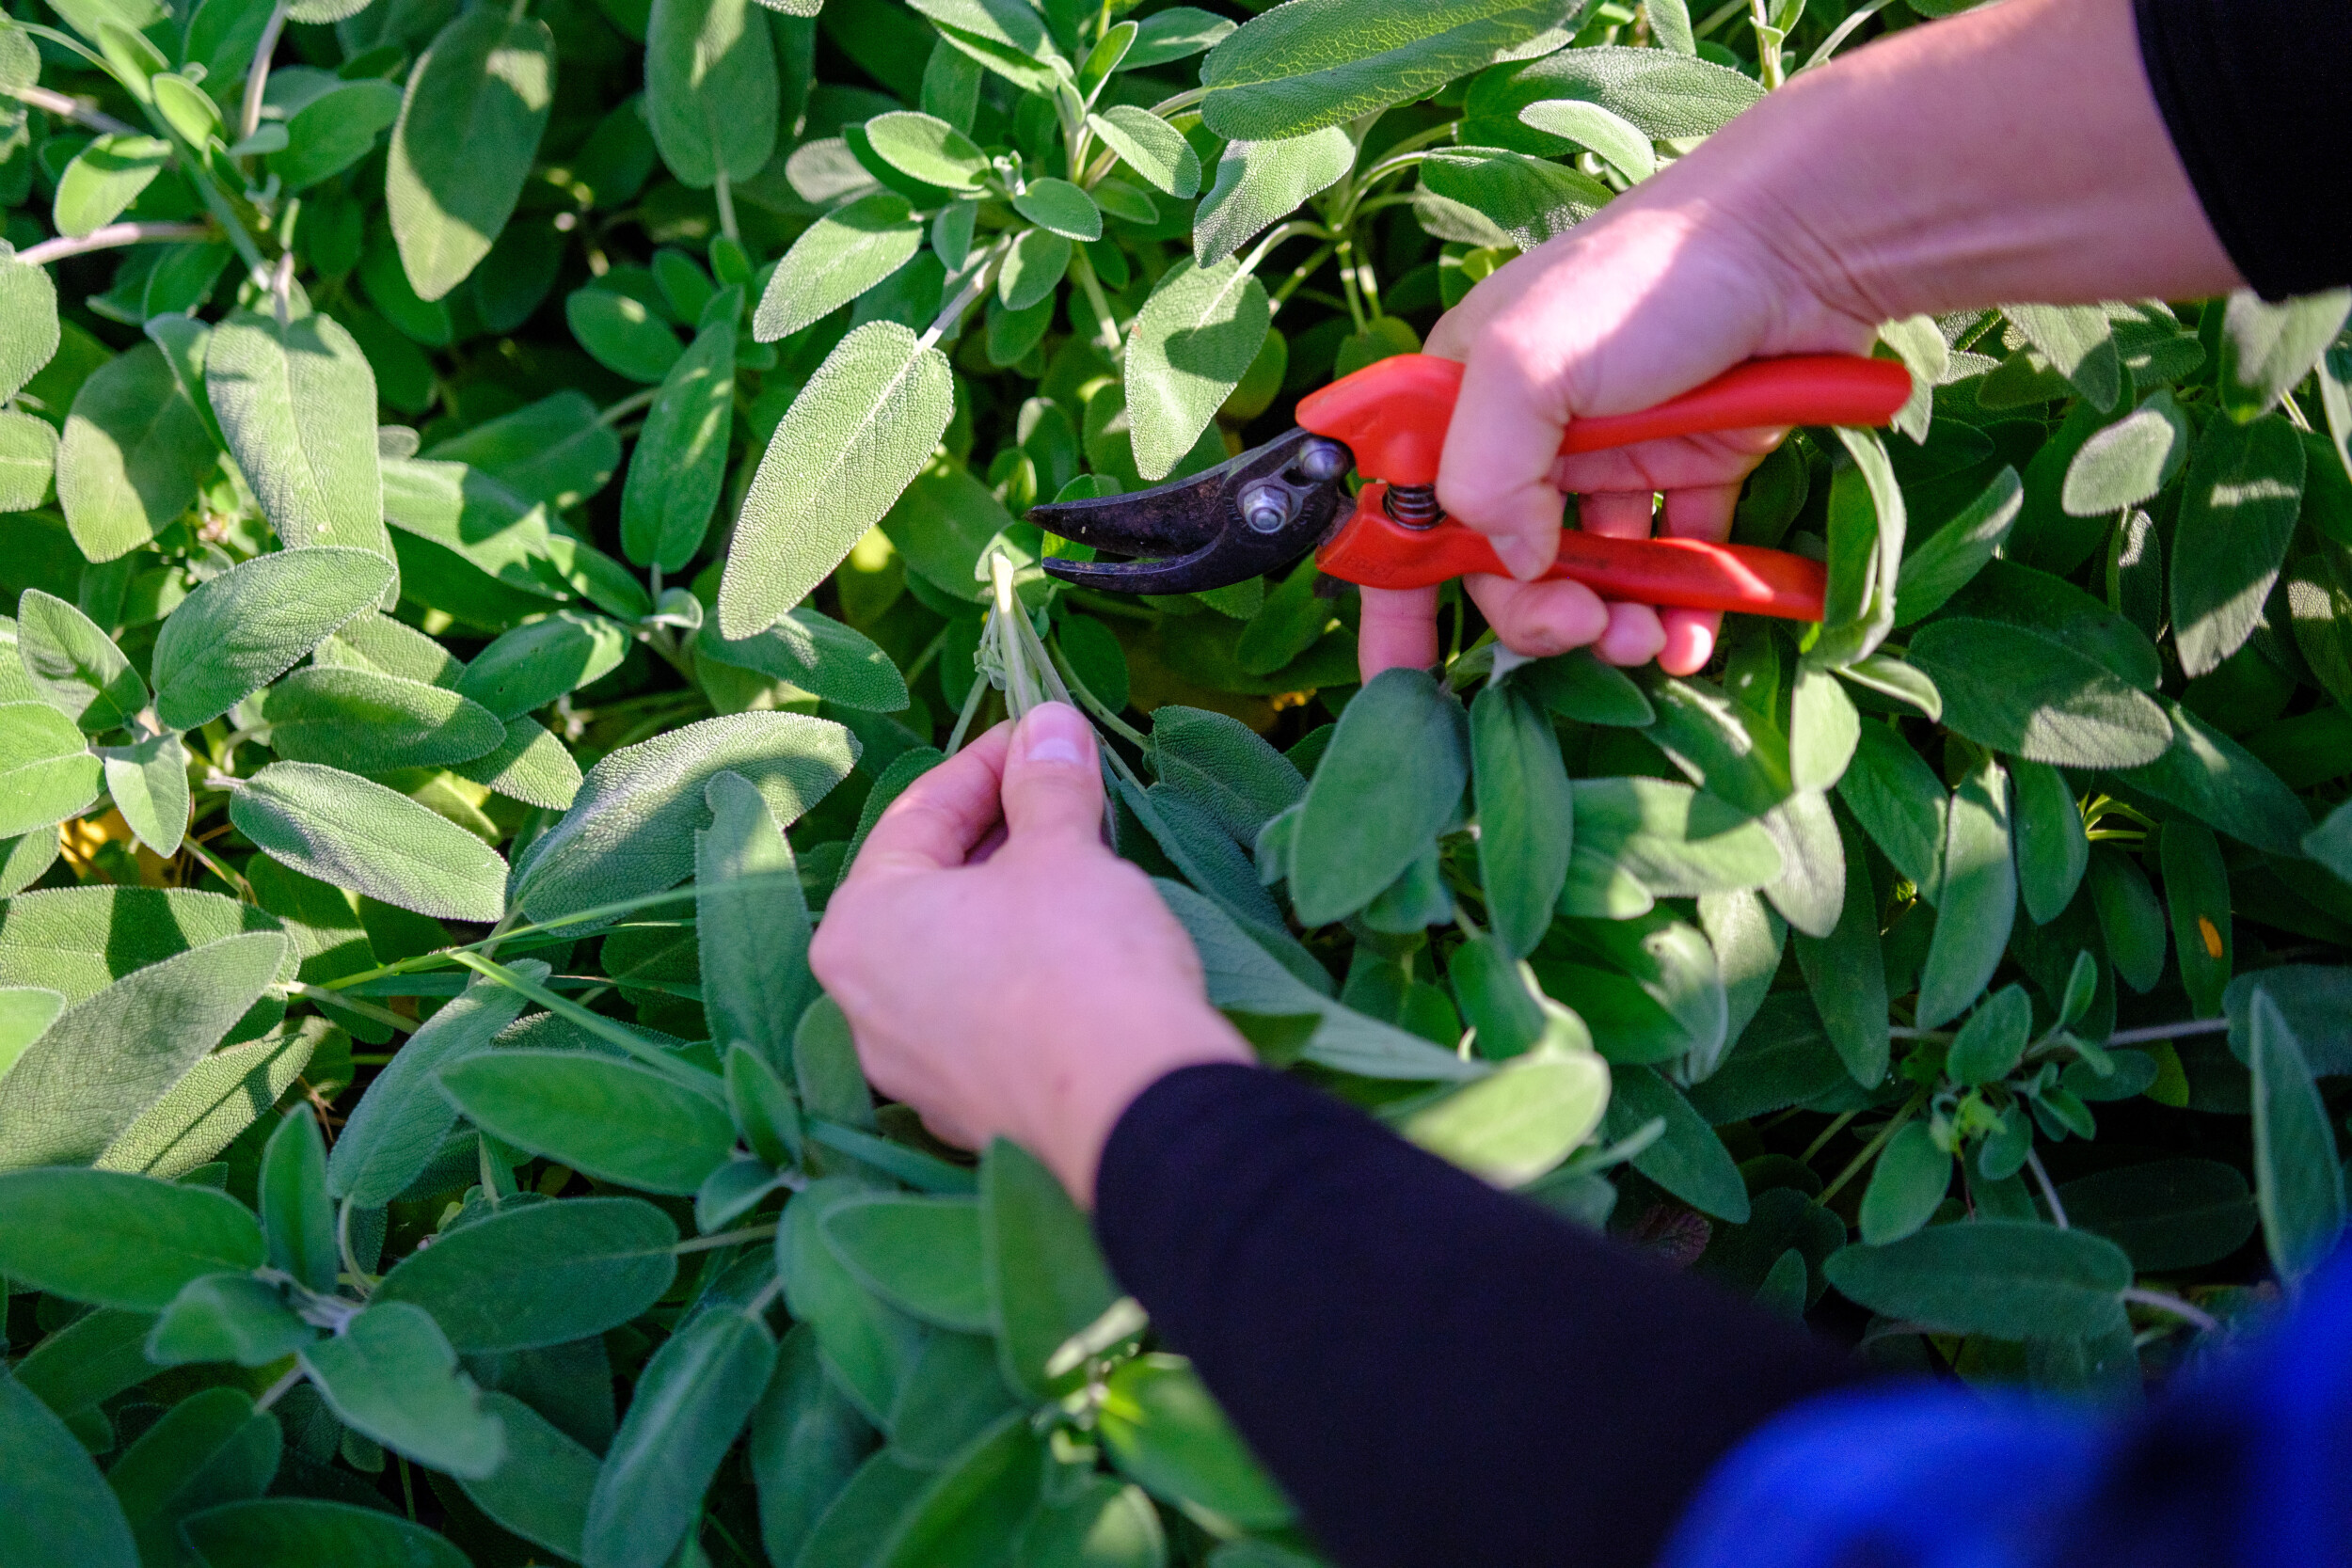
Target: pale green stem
[
  {"x": 725, "y": 1238},
  {"x": 1299, "y": 274},
  {"x": 1276, "y": 236},
  {"x": 971, "y": 710},
  {"x": 1831, "y": 44},
  {"x": 595, "y": 915},
  {"x": 1720, "y": 15},
  {"x": 1094, "y": 705},
  {"x": 221, "y": 869},
  {"x": 280, "y": 1388},
  {"x": 1106, "y": 337},
  {"x": 1345, "y": 251},
  {"x": 721, "y": 193},
  {"x": 1169, "y": 108},
  {"x": 1870, "y": 1151},
  {"x": 2164, "y": 1302},
  {"x": 2166, "y": 1031},
  {"x": 1768, "y": 52},
  {"x": 324, "y": 998},
  {"x": 966, "y": 296},
  {"x": 2123, "y": 1037},
  {"x": 69, "y": 108},
  {"x": 2049, "y": 1188},
  {"x": 623, "y": 408},
  {"x": 922, "y": 660},
  {"x": 257, "y": 79},
  {"x": 1382, "y": 204},
  {"x": 223, "y": 213},
  {"x": 595, "y": 1024},
  {"x": 111, "y": 235}
]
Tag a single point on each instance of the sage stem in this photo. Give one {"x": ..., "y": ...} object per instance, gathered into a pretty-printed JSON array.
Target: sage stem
[
  {"x": 1870, "y": 1151},
  {"x": 280, "y": 1388},
  {"x": 257, "y": 79},
  {"x": 108, "y": 236},
  {"x": 2166, "y": 1031},
  {"x": 50, "y": 102},
  {"x": 623, "y": 408},
  {"x": 1845, "y": 31},
  {"x": 1720, "y": 15},
  {"x": 1103, "y": 715},
  {"x": 2049, "y": 1189},
  {"x": 1106, "y": 337},
  {"x": 977, "y": 285},
  {"x": 1168, "y": 108},
  {"x": 2164, "y": 1302},
  {"x": 724, "y": 1238},
  {"x": 385, "y": 1016},
  {"x": 725, "y": 197}
]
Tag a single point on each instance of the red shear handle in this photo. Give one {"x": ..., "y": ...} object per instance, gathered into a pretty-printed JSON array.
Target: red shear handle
[
  {"x": 1373, "y": 551},
  {"x": 1393, "y": 413}
]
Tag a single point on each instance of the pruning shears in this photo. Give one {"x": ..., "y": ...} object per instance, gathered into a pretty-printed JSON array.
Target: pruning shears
[{"x": 1264, "y": 509}]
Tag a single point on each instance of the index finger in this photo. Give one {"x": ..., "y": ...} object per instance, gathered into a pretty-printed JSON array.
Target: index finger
[
  {"x": 941, "y": 816},
  {"x": 1495, "y": 471}
]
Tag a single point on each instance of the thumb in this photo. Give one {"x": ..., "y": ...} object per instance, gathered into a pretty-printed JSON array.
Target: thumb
[{"x": 1052, "y": 778}]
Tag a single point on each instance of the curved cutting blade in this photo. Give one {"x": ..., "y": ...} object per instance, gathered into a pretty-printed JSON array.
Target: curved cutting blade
[{"x": 1195, "y": 526}]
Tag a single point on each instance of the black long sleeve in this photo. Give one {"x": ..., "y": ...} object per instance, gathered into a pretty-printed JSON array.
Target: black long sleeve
[
  {"x": 2258, "y": 97},
  {"x": 1439, "y": 1373}
]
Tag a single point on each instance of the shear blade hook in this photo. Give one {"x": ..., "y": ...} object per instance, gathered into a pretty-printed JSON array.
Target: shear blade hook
[{"x": 1241, "y": 519}]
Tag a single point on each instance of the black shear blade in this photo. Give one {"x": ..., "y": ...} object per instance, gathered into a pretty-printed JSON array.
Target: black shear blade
[{"x": 1196, "y": 526}]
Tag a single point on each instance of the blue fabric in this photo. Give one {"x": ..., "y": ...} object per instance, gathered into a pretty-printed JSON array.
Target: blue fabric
[{"x": 2247, "y": 1463}]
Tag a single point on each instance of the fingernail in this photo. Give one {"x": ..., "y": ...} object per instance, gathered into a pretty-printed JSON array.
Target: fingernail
[
  {"x": 1521, "y": 558},
  {"x": 1055, "y": 733}
]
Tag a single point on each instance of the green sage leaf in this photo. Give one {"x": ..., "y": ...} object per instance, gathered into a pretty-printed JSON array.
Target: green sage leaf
[
  {"x": 244, "y": 629},
  {"x": 546, "y": 1274},
  {"x": 111, "y": 1056},
  {"x": 296, "y": 405},
  {"x": 469, "y": 128},
  {"x": 55, "y": 1506},
  {"x": 2004, "y": 1277},
  {"x": 2023, "y": 694},
  {"x": 1193, "y": 341},
  {"x": 615, "y": 1120},
  {"x": 391, "y": 1375},
  {"x": 360, "y": 719},
  {"x": 1977, "y": 900},
  {"x": 390, "y": 1136},
  {"x": 135, "y": 449},
  {"x": 629, "y": 832},
  {"x": 712, "y": 89},
  {"x": 1316, "y": 63},
  {"x": 856, "y": 436},
  {"x": 676, "y": 473},
  {"x": 305, "y": 1530},
  {"x": 2238, "y": 509}
]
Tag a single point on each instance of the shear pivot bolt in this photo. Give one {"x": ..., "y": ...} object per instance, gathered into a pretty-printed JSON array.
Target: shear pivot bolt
[
  {"x": 1265, "y": 507},
  {"x": 1324, "y": 460}
]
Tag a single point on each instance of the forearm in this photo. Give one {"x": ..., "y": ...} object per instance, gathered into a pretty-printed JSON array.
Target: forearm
[
  {"x": 2015, "y": 153},
  {"x": 1437, "y": 1373}
]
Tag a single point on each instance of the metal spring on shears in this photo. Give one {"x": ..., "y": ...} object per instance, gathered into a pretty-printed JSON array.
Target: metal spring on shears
[{"x": 1413, "y": 505}]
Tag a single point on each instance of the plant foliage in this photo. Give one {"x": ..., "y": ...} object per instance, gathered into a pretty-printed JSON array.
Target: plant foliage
[{"x": 500, "y": 499}]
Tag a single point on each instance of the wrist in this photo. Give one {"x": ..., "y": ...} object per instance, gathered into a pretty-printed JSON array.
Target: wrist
[
  {"x": 1892, "y": 184},
  {"x": 1104, "y": 1066}
]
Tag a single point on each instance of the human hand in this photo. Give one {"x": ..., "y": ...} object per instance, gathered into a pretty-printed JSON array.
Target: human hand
[
  {"x": 1003, "y": 971},
  {"x": 1663, "y": 291}
]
